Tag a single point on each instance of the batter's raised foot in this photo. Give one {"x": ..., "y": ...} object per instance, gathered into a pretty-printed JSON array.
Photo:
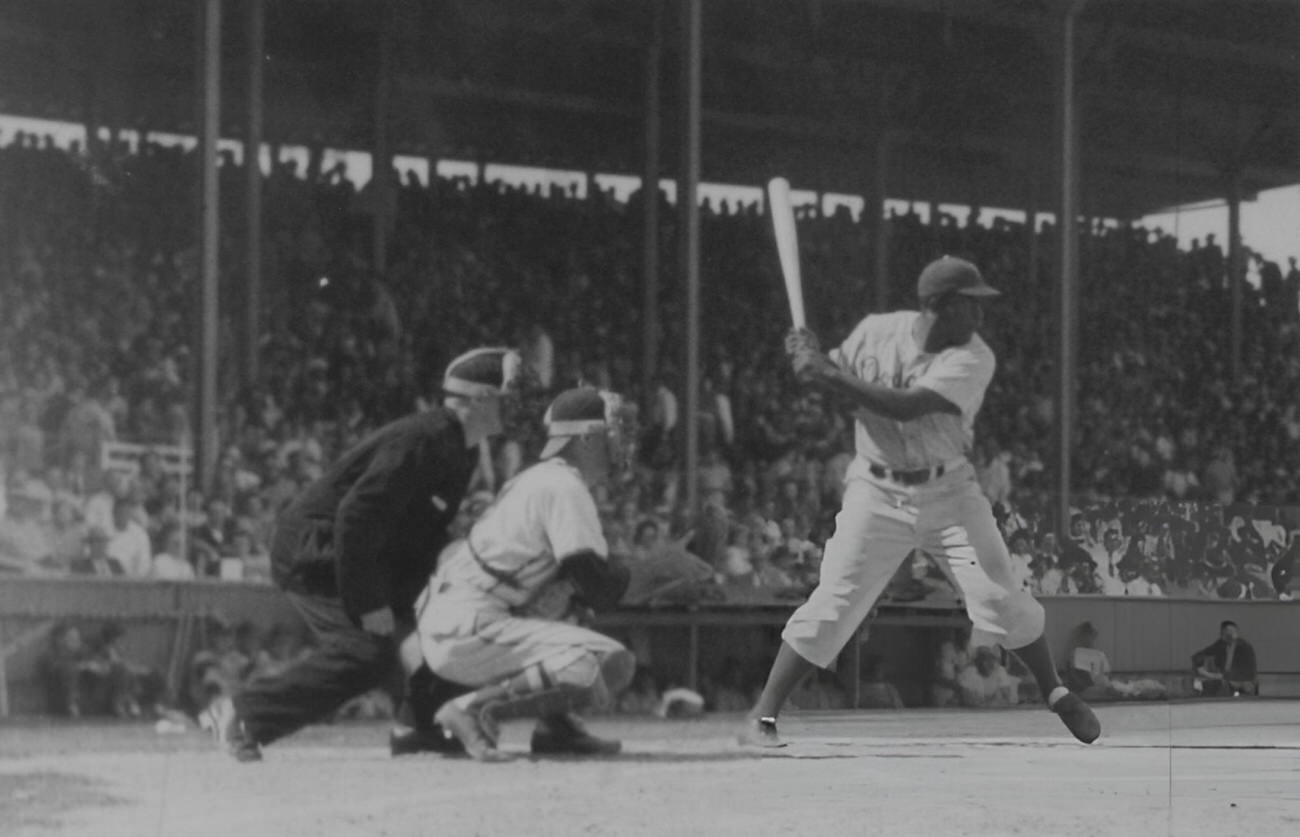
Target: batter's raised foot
[
  {"x": 469, "y": 732},
  {"x": 760, "y": 732},
  {"x": 1078, "y": 717}
]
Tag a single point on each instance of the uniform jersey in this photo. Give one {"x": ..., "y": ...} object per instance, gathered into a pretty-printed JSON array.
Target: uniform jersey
[
  {"x": 514, "y": 550},
  {"x": 881, "y": 350}
]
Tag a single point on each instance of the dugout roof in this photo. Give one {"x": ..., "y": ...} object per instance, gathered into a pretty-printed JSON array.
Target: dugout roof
[{"x": 1173, "y": 94}]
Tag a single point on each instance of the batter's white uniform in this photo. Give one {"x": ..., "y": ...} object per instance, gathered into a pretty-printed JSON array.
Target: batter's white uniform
[
  {"x": 476, "y": 620},
  {"x": 943, "y": 512}
]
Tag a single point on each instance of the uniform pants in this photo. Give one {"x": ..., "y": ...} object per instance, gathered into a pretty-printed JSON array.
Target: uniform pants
[
  {"x": 879, "y": 524},
  {"x": 346, "y": 662}
]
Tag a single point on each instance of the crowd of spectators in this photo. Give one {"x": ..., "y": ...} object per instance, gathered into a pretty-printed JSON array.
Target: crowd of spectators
[{"x": 98, "y": 276}]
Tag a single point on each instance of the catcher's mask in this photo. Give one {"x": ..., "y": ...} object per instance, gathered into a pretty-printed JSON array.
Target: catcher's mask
[{"x": 583, "y": 411}]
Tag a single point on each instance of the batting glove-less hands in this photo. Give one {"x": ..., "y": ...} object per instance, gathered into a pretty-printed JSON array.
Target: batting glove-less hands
[
  {"x": 800, "y": 339},
  {"x": 811, "y": 365}
]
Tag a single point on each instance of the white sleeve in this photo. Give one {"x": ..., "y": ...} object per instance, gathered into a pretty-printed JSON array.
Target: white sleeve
[
  {"x": 960, "y": 375},
  {"x": 846, "y": 354},
  {"x": 571, "y": 521}
]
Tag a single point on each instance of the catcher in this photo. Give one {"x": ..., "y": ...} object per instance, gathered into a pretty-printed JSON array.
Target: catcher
[{"x": 495, "y": 617}]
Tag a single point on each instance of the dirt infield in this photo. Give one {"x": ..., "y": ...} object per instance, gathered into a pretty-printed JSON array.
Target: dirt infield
[{"x": 1189, "y": 769}]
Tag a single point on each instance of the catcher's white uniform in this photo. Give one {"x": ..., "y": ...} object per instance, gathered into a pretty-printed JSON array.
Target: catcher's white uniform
[
  {"x": 911, "y": 486},
  {"x": 493, "y": 609}
]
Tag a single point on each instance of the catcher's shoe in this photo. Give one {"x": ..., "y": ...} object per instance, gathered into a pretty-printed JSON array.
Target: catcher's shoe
[
  {"x": 407, "y": 741},
  {"x": 760, "y": 732},
  {"x": 565, "y": 735},
  {"x": 1078, "y": 717},
  {"x": 469, "y": 731},
  {"x": 229, "y": 731}
]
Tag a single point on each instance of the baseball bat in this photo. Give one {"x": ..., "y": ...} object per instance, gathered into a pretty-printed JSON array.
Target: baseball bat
[{"x": 787, "y": 245}]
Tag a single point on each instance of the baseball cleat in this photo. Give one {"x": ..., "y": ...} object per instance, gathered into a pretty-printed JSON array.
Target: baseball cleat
[
  {"x": 470, "y": 733},
  {"x": 406, "y": 742},
  {"x": 760, "y": 732},
  {"x": 565, "y": 735},
  {"x": 1078, "y": 717},
  {"x": 229, "y": 731}
]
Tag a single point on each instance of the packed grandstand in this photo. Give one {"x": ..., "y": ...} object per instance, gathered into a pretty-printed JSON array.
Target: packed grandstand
[{"x": 1187, "y": 482}]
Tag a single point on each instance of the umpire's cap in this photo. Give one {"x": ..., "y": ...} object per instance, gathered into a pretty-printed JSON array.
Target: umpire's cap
[
  {"x": 950, "y": 274},
  {"x": 482, "y": 373}
]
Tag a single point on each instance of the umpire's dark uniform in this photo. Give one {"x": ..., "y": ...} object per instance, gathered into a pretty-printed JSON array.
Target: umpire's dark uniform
[{"x": 366, "y": 535}]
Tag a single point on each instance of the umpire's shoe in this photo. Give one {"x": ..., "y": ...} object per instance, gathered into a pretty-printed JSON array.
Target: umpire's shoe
[
  {"x": 760, "y": 732},
  {"x": 1078, "y": 717},
  {"x": 565, "y": 735},
  {"x": 407, "y": 742},
  {"x": 229, "y": 731}
]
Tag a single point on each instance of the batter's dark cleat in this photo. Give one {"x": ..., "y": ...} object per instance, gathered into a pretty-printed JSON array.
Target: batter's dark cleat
[
  {"x": 468, "y": 730},
  {"x": 760, "y": 732},
  {"x": 409, "y": 742},
  {"x": 229, "y": 731},
  {"x": 1078, "y": 717},
  {"x": 565, "y": 735}
]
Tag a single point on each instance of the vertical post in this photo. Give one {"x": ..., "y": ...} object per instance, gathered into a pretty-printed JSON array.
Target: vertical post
[
  {"x": 382, "y": 155},
  {"x": 1236, "y": 271},
  {"x": 208, "y": 243},
  {"x": 688, "y": 238},
  {"x": 650, "y": 209},
  {"x": 880, "y": 187},
  {"x": 253, "y": 189},
  {"x": 1031, "y": 223},
  {"x": 1069, "y": 268}
]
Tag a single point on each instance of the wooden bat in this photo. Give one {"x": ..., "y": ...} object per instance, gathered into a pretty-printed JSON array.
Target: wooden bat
[{"x": 787, "y": 245}]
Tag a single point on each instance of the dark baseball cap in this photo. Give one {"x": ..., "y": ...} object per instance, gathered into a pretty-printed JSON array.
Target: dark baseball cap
[{"x": 950, "y": 274}]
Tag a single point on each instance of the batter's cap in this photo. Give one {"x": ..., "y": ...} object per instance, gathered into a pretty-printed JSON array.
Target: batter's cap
[
  {"x": 950, "y": 274},
  {"x": 574, "y": 412},
  {"x": 482, "y": 372}
]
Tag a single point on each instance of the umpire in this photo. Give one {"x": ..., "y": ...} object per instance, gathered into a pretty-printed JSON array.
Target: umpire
[{"x": 354, "y": 550}]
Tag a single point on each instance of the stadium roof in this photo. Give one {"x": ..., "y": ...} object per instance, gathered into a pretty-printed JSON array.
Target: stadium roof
[{"x": 1174, "y": 95}]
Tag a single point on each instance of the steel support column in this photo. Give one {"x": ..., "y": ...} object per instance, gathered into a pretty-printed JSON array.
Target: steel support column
[
  {"x": 206, "y": 453},
  {"x": 688, "y": 238},
  {"x": 253, "y": 190},
  {"x": 650, "y": 209}
]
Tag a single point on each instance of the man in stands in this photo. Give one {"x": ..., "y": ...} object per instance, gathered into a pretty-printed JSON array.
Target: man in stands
[{"x": 1227, "y": 666}]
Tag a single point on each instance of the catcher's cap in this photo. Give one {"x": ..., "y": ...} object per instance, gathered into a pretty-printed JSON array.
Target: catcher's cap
[
  {"x": 574, "y": 412},
  {"x": 949, "y": 274},
  {"x": 482, "y": 372}
]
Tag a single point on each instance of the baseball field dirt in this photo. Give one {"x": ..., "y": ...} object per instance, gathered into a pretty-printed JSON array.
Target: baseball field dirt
[{"x": 1223, "y": 768}]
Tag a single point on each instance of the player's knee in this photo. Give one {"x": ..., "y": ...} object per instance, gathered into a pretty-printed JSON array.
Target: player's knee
[
  {"x": 582, "y": 671},
  {"x": 1022, "y": 617},
  {"x": 616, "y": 669}
]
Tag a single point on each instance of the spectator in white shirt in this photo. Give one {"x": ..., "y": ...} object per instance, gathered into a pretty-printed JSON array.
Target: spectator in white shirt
[
  {"x": 128, "y": 542},
  {"x": 171, "y": 563}
]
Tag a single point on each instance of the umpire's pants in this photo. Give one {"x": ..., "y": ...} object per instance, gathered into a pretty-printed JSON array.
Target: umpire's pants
[{"x": 346, "y": 662}]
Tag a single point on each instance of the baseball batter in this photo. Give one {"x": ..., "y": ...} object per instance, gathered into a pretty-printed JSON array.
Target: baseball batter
[
  {"x": 918, "y": 379},
  {"x": 494, "y": 615}
]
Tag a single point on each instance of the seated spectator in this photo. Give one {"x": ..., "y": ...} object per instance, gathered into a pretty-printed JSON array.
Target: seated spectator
[
  {"x": 170, "y": 563},
  {"x": 874, "y": 692},
  {"x": 24, "y": 536},
  {"x": 218, "y": 670},
  {"x": 128, "y": 542},
  {"x": 1088, "y": 672},
  {"x": 641, "y": 697},
  {"x": 282, "y": 648},
  {"x": 1227, "y": 666},
  {"x": 72, "y": 686},
  {"x": 952, "y": 659},
  {"x": 211, "y": 539},
  {"x": 246, "y": 560},
  {"x": 67, "y": 535},
  {"x": 130, "y": 686},
  {"x": 727, "y": 693},
  {"x": 95, "y": 560},
  {"x": 646, "y": 539},
  {"x": 984, "y": 682}
]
